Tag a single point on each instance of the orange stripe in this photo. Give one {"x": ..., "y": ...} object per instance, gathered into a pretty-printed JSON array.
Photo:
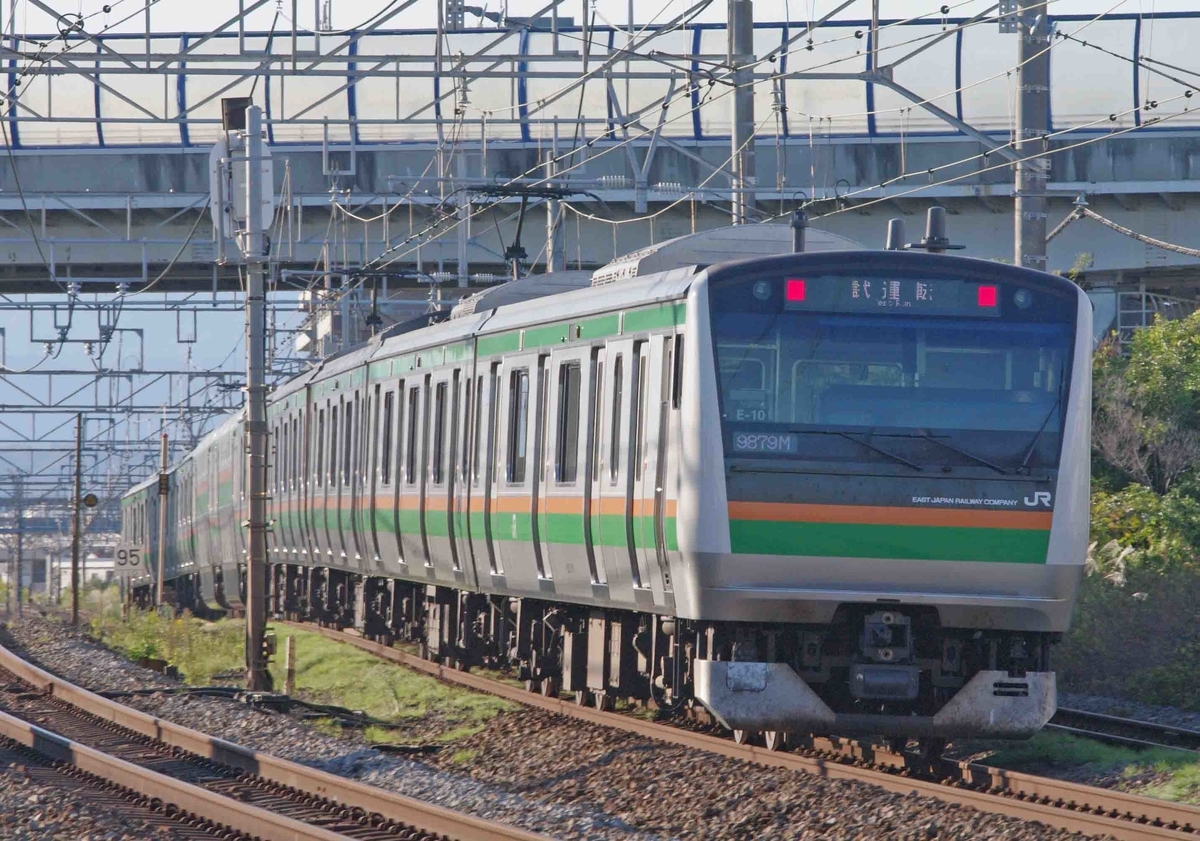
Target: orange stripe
[
  {"x": 889, "y": 516},
  {"x": 511, "y": 505},
  {"x": 564, "y": 505}
]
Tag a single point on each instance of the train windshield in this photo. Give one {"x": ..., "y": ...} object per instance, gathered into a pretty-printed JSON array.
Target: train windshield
[{"x": 811, "y": 370}]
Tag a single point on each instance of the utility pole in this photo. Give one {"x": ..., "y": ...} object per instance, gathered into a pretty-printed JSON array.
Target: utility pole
[
  {"x": 254, "y": 247},
  {"x": 75, "y": 503},
  {"x": 19, "y": 503},
  {"x": 741, "y": 62},
  {"x": 1033, "y": 113},
  {"x": 162, "y": 525}
]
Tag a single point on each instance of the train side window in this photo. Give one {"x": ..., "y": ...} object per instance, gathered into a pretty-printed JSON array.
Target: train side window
[
  {"x": 296, "y": 447},
  {"x": 493, "y": 397},
  {"x": 439, "y": 433},
  {"x": 465, "y": 442},
  {"x": 518, "y": 425},
  {"x": 320, "y": 447},
  {"x": 333, "y": 448},
  {"x": 348, "y": 445},
  {"x": 598, "y": 414},
  {"x": 614, "y": 437},
  {"x": 567, "y": 458},
  {"x": 410, "y": 445},
  {"x": 639, "y": 405},
  {"x": 389, "y": 400},
  {"x": 677, "y": 372}
]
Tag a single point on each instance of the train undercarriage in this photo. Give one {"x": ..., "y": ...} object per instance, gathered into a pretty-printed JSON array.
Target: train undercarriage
[{"x": 891, "y": 672}]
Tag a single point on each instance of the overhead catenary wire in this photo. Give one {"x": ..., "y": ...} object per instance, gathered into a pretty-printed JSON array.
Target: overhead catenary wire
[
  {"x": 980, "y": 156},
  {"x": 1082, "y": 211}
]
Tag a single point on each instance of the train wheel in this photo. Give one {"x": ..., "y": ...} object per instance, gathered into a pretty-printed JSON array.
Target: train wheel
[
  {"x": 551, "y": 686},
  {"x": 743, "y": 737},
  {"x": 931, "y": 748},
  {"x": 583, "y": 698},
  {"x": 532, "y": 685},
  {"x": 775, "y": 739},
  {"x": 603, "y": 701}
]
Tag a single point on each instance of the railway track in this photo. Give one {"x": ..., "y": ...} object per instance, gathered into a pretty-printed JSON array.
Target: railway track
[
  {"x": 1070, "y": 806},
  {"x": 212, "y": 782},
  {"x": 1124, "y": 731}
]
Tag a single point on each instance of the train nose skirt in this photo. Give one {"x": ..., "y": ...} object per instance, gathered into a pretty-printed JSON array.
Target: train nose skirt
[{"x": 771, "y": 696}]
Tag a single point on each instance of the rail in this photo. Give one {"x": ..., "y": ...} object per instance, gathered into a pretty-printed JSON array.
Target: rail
[
  {"x": 1124, "y": 731},
  {"x": 425, "y": 817},
  {"x": 1069, "y": 806}
]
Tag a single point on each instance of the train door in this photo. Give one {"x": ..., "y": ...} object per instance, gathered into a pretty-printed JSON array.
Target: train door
[
  {"x": 438, "y": 467},
  {"x": 412, "y": 546},
  {"x": 465, "y": 487},
  {"x": 485, "y": 467},
  {"x": 360, "y": 499},
  {"x": 513, "y": 501},
  {"x": 370, "y": 473},
  {"x": 387, "y": 535},
  {"x": 601, "y": 400},
  {"x": 356, "y": 545},
  {"x": 561, "y": 504},
  {"x": 650, "y": 389},
  {"x": 296, "y": 477},
  {"x": 326, "y": 440},
  {"x": 277, "y": 503},
  {"x": 538, "y": 473},
  {"x": 615, "y": 481},
  {"x": 456, "y": 503},
  {"x": 304, "y": 467}
]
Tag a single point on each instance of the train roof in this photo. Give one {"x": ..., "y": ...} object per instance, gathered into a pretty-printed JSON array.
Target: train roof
[{"x": 698, "y": 250}]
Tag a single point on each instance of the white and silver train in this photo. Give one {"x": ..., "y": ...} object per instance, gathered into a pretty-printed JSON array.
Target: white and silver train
[{"x": 841, "y": 491}]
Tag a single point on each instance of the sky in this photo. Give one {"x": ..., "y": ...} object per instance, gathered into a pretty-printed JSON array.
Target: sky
[
  {"x": 187, "y": 15},
  {"x": 220, "y": 332}
]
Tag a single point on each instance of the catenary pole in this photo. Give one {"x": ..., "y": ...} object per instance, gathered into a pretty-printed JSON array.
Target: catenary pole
[
  {"x": 75, "y": 503},
  {"x": 1033, "y": 114},
  {"x": 741, "y": 62},
  {"x": 162, "y": 524},
  {"x": 257, "y": 678}
]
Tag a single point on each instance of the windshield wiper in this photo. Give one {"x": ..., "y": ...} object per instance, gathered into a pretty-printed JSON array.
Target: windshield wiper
[
  {"x": 979, "y": 460},
  {"x": 861, "y": 443},
  {"x": 1037, "y": 435}
]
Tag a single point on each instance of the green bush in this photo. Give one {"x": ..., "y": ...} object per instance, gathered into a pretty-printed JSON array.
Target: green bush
[
  {"x": 1138, "y": 639},
  {"x": 1165, "y": 530}
]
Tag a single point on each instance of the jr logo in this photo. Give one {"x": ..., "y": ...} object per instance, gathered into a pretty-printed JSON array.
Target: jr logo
[{"x": 1039, "y": 498}]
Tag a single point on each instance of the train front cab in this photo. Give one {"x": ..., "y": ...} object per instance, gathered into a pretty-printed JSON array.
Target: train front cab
[{"x": 896, "y": 533}]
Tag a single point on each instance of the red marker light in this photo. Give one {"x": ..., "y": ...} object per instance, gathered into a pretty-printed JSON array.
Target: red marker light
[
  {"x": 793, "y": 290},
  {"x": 988, "y": 296}
]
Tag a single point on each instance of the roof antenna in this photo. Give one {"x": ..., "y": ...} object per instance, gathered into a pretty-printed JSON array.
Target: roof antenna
[
  {"x": 935, "y": 240},
  {"x": 895, "y": 235},
  {"x": 799, "y": 225}
]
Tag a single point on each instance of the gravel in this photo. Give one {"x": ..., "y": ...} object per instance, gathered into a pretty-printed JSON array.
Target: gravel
[
  {"x": 73, "y": 656},
  {"x": 1170, "y": 716},
  {"x": 558, "y": 776},
  {"x": 33, "y": 806}
]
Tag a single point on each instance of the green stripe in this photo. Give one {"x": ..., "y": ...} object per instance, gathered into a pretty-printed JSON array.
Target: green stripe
[
  {"x": 503, "y": 343},
  {"x": 857, "y": 540},
  {"x": 555, "y": 334},
  {"x": 599, "y": 327},
  {"x": 654, "y": 318}
]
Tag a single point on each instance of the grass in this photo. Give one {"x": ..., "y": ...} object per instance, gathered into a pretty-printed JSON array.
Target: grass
[
  {"x": 1165, "y": 774},
  {"x": 327, "y": 672}
]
